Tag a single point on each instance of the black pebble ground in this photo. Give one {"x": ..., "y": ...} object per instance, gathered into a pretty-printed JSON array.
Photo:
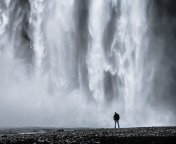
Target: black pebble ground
[{"x": 142, "y": 135}]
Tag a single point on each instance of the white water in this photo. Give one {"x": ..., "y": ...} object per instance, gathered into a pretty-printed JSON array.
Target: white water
[{"x": 82, "y": 62}]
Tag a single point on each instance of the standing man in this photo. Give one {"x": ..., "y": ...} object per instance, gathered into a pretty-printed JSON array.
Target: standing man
[{"x": 116, "y": 119}]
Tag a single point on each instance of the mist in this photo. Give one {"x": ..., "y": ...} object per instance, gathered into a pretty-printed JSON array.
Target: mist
[{"x": 73, "y": 63}]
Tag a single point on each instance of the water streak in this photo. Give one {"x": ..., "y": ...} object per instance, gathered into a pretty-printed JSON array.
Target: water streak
[{"x": 62, "y": 60}]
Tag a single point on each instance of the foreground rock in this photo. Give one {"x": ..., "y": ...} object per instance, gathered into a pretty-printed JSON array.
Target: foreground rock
[{"x": 145, "y": 135}]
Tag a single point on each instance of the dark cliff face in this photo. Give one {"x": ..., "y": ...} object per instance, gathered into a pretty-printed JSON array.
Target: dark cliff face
[
  {"x": 165, "y": 7},
  {"x": 162, "y": 45}
]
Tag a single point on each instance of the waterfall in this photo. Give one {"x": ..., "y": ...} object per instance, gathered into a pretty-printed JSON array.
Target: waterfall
[
  {"x": 73, "y": 63},
  {"x": 36, "y": 21}
]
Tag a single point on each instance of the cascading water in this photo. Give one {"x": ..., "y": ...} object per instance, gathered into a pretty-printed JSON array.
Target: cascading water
[
  {"x": 73, "y": 63},
  {"x": 36, "y": 20}
]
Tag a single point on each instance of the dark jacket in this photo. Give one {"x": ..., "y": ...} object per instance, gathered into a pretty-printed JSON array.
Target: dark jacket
[{"x": 116, "y": 117}]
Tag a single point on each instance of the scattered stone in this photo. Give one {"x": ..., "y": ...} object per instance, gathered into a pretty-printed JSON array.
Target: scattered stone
[
  {"x": 144, "y": 135},
  {"x": 60, "y": 130}
]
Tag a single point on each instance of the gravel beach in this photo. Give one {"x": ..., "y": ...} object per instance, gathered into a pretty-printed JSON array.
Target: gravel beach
[{"x": 140, "y": 135}]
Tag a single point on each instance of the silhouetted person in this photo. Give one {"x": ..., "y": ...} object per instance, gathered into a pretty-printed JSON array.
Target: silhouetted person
[{"x": 116, "y": 119}]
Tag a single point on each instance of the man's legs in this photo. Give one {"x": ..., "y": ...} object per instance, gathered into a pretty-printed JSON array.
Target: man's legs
[{"x": 118, "y": 124}]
